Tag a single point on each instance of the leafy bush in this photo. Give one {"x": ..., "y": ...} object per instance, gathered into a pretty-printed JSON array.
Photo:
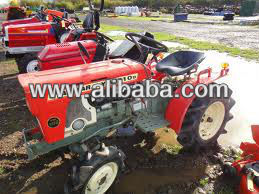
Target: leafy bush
[
  {"x": 65, "y": 4},
  {"x": 31, "y": 3},
  {"x": 113, "y": 3}
]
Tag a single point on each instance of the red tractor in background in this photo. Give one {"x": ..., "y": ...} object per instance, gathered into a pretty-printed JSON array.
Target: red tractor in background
[
  {"x": 81, "y": 124},
  {"x": 41, "y": 15},
  {"x": 68, "y": 54},
  {"x": 12, "y": 13},
  {"x": 24, "y": 41},
  {"x": 247, "y": 168}
]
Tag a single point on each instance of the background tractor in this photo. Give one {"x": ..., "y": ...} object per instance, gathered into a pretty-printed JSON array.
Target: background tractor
[
  {"x": 24, "y": 41},
  {"x": 68, "y": 54},
  {"x": 247, "y": 167}
]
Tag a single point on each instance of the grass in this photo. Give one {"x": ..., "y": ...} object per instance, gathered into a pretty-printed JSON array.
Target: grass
[
  {"x": 205, "y": 45},
  {"x": 8, "y": 66},
  {"x": 204, "y": 181},
  {"x": 2, "y": 170},
  {"x": 107, "y": 28},
  {"x": 250, "y": 54}
]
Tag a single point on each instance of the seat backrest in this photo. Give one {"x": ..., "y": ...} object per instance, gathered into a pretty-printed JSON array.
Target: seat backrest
[
  {"x": 180, "y": 62},
  {"x": 92, "y": 21},
  {"x": 185, "y": 59}
]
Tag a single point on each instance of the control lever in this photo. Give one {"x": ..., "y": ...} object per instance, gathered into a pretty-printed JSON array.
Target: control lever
[{"x": 83, "y": 50}]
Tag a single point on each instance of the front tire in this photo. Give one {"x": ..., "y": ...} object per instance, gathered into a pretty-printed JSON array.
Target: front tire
[
  {"x": 97, "y": 174},
  {"x": 205, "y": 121},
  {"x": 102, "y": 178},
  {"x": 28, "y": 63}
]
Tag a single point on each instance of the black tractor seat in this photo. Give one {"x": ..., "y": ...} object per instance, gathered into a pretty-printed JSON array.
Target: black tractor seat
[{"x": 180, "y": 62}]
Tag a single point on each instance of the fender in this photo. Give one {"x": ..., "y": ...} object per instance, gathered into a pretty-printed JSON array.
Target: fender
[
  {"x": 243, "y": 167},
  {"x": 177, "y": 107},
  {"x": 244, "y": 188}
]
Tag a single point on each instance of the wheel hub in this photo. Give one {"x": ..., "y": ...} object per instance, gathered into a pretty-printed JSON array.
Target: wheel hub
[
  {"x": 212, "y": 120},
  {"x": 103, "y": 180},
  {"x": 33, "y": 66},
  {"x": 209, "y": 120}
]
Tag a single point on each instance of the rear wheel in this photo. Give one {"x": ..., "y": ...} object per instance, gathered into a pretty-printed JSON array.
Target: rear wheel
[
  {"x": 205, "y": 121},
  {"x": 28, "y": 63}
]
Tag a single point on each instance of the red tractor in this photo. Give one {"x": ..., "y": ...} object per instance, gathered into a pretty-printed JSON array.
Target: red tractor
[
  {"x": 24, "y": 41},
  {"x": 81, "y": 124},
  {"x": 12, "y": 13},
  {"x": 247, "y": 168},
  {"x": 41, "y": 16},
  {"x": 68, "y": 54}
]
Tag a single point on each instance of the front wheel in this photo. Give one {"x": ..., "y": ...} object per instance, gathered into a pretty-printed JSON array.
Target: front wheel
[
  {"x": 205, "y": 121},
  {"x": 96, "y": 175},
  {"x": 28, "y": 63},
  {"x": 101, "y": 180}
]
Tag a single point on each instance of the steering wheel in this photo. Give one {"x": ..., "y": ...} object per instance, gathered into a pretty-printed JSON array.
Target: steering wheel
[
  {"x": 41, "y": 14},
  {"x": 157, "y": 46},
  {"x": 104, "y": 36},
  {"x": 59, "y": 19}
]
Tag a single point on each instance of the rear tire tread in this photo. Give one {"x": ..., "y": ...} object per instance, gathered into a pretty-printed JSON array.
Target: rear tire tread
[
  {"x": 188, "y": 136},
  {"x": 23, "y": 62}
]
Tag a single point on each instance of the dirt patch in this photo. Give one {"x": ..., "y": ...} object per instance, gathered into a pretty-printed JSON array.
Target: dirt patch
[{"x": 18, "y": 175}]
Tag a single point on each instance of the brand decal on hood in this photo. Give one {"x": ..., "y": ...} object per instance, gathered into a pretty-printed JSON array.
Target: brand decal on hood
[
  {"x": 38, "y": 31},
  {"x": 88, "y": 87}
]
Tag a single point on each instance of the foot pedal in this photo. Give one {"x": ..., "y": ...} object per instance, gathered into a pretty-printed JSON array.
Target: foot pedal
[{"x": 149, "y": 123}]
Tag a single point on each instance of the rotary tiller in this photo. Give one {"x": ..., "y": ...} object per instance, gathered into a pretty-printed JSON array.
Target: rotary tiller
[
  {"x": 81, "y": 124},
  {"x": 247, "y": 168}
]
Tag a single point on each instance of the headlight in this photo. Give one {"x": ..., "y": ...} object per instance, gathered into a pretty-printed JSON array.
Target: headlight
[{"x": 78, "y": 124}]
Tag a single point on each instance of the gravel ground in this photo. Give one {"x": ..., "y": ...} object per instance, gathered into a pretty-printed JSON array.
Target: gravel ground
[{"x": 232, "y": 35}]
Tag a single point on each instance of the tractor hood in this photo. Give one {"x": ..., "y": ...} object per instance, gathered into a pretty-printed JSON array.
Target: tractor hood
[
  {"x": 86, "y": 73},
  {"x": 45, "y": 108},
  {"x": 20, "y": 21},
  {"x": 23, "y": 38},
  {"x": 66, "y": 54},
  {"x": 28, "y": 28}
]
